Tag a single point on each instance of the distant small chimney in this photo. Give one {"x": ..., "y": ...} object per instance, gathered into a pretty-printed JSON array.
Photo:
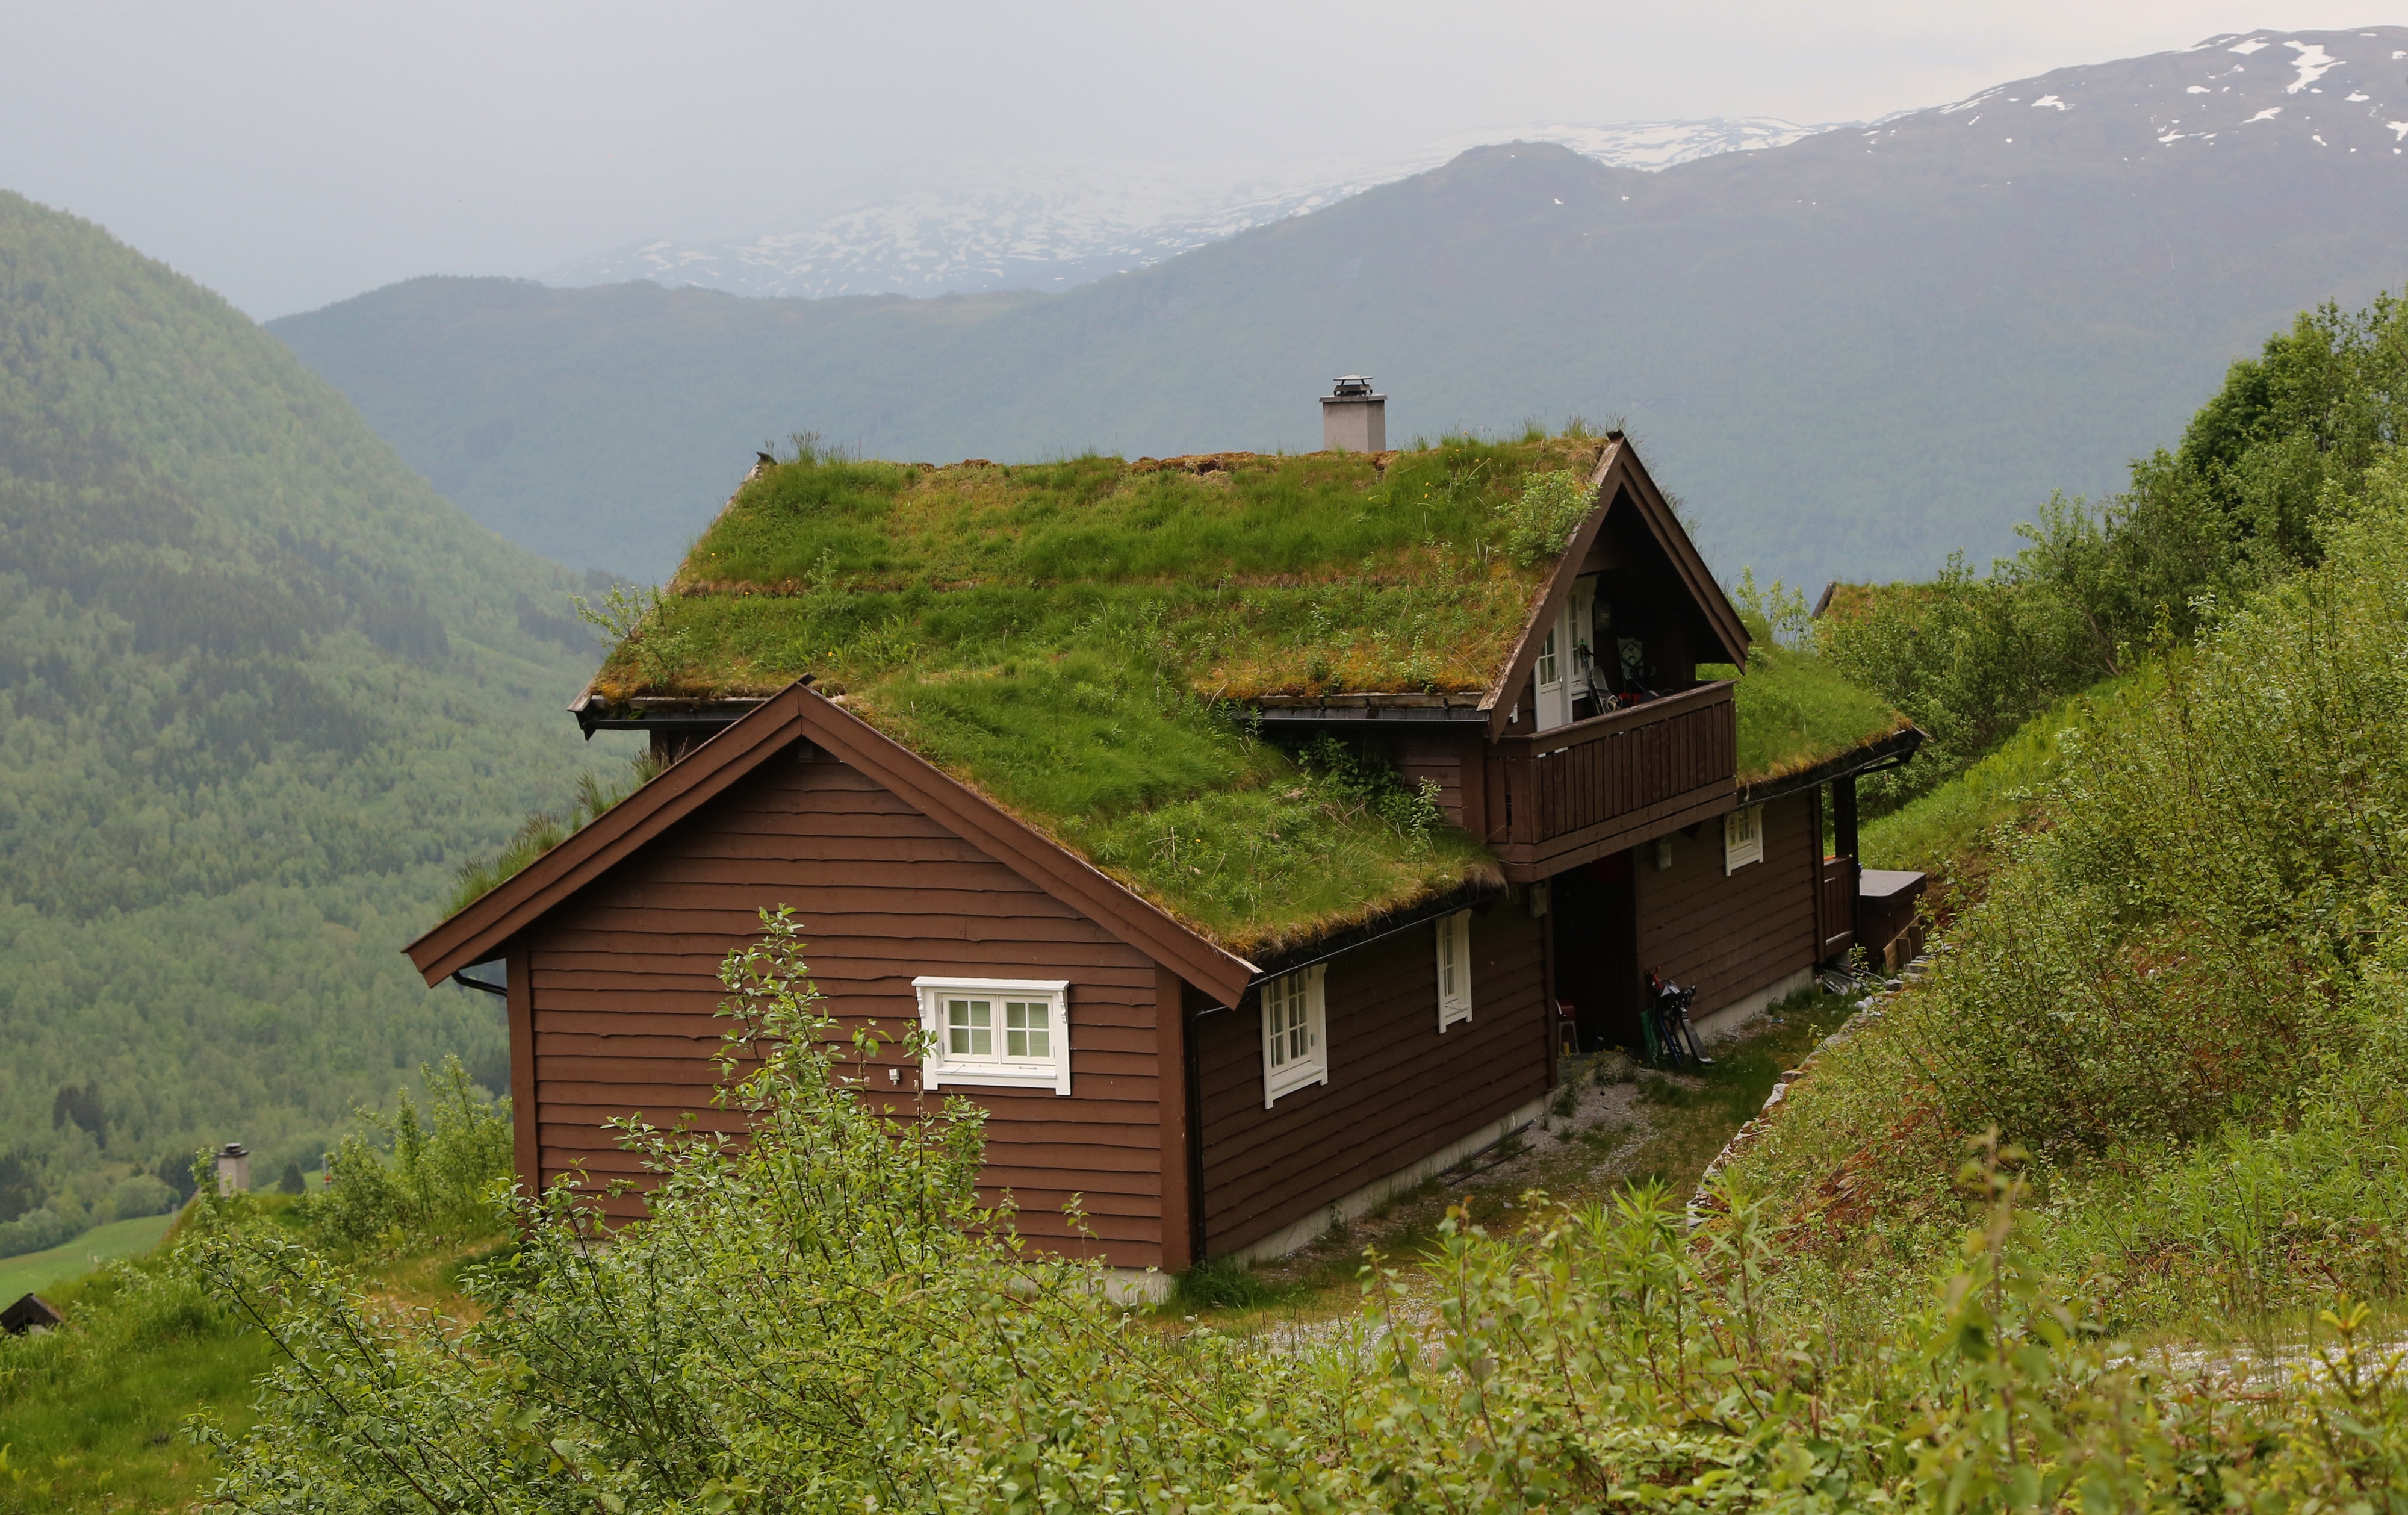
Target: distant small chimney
[
  {"x": 1353, "y": 419},
  {"x": 234, "y": 1169}
]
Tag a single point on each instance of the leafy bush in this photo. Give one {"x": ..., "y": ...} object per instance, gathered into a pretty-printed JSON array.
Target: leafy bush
[
  {"x": 38, "y": 1230},
  {"x": 1542, "y": 517},
  {"x": 142, "y": 1194},
  {"x": 2284, "y": 446},
  {"x": 439, "y": 1179}
]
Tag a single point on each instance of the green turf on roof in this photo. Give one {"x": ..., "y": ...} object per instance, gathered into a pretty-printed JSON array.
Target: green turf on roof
[
  {"x": 1794, "y": 711},
  {"x": 1072, "y": 639}
]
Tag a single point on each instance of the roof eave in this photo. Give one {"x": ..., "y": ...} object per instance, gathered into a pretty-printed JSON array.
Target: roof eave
[{"x": 1892, "y": 749}]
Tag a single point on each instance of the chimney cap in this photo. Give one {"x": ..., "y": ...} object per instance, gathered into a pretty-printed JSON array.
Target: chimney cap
[
  {"x": 1353, "y": 384},
  {"x": 234, "y": 1149}
]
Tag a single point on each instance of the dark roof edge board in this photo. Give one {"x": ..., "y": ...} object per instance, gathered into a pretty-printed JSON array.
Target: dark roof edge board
[
  {"x": 772, "y": 727},
  {"x": 1891, "y": 751},
  {"x": 646, "y": 711},
  {"x": 1380, "y": 927}
]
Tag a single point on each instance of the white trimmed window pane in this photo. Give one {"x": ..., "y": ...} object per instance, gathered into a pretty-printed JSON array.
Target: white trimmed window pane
[
  {"x": 1025, "y": 1033},
  {"x": 1547, "y": 668},
  {"x": 970, "y": 1024}
]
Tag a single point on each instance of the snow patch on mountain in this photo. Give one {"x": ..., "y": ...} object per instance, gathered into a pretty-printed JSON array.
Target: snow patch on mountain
[{"x": 1051, "y": 226}]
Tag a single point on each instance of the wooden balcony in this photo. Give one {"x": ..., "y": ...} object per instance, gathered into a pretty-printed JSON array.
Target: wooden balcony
[{"x": 1580, "y": 791}]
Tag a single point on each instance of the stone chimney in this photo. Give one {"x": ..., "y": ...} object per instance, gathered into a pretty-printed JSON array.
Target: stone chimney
[
  {"x": 1353, "y": 419},
  {"x": 234, "y": 1169}
]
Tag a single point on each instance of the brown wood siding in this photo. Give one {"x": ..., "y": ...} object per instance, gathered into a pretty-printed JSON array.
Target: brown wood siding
[
  {"x": 624, "y": 982},
  {"x": 1438, "y": 756},
  {"x": 1398, "y": 1089},
  {"x": 1729, "y": 935}
]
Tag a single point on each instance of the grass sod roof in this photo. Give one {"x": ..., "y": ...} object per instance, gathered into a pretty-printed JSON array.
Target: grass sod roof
[{"x": 1072, "y": 640}]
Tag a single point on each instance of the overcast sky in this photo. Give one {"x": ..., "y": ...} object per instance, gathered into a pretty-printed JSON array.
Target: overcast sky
[{"x": 290, "y": 155}]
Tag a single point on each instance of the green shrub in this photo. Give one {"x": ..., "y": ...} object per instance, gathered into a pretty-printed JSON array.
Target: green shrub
[
  {"x": 1542, "y": 517},
  {"x": 2282, "y": 448},
  {"x": 438, "y": 1180}
]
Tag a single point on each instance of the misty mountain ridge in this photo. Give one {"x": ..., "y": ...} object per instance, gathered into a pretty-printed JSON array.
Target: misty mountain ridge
[
  {"x": 1052, "y": 228},
  {"x": 1850, "y": 353}
]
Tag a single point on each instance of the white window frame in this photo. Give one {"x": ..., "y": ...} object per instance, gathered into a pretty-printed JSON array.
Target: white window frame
[
  {"x": 1553, "y": 697},
  {"x": 1453, "y": 953},
  {"x": 940, "y": 1068},
  {"x": 1743, "y": 838},
  {"x": 1290, "y": 1071}
]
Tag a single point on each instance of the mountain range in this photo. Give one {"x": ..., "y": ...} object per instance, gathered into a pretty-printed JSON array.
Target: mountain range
[
  {"x": 1850, "y": 353},
  {"x": 1052, "y": 228}
]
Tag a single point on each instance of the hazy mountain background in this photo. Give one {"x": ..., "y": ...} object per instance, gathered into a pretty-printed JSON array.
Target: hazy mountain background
[
  {"x": 261, "y": 690},
  {"x": 1850, "y": 353},
  {"x": 1052, "y": 228}
]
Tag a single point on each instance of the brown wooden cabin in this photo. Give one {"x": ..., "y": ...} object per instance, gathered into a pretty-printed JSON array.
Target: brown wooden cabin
[{"x": 1197, "y": 1102}]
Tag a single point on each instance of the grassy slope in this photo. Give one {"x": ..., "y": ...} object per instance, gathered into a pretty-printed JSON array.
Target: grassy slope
[
  {"x": 260, "y": 691},
  {"x": 72, "y": 1260},
  {"x": 1944, "y": 833},
  {"x": 2147, "y": 992}
]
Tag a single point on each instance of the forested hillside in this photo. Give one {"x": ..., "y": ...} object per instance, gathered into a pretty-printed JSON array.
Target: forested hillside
[
  {"x": 261, "y": 689},
  {"x": 1851, "y": 353}
]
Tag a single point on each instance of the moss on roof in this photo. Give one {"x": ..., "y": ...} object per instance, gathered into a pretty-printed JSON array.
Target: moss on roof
[
  {"x": 1795, "y": 710},
  {"x": 1072, "y": 639}
]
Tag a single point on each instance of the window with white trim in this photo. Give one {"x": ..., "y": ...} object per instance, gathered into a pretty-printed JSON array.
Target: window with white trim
[
  {"x": 1453, "y": 970},
  {"x": 1296, "y": 1049},
  {"x": 996, "y": 1032},
  {"x": 1743, "y": 838}
]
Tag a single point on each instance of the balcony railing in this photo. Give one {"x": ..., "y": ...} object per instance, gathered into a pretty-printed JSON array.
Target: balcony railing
[{"x": 1597, "y": 786}]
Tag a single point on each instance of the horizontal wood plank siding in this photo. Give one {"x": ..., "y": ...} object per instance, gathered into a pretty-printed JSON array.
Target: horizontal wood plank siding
[
  {"x": 1398, "y": 1090},
  {"x": 625, "y": 983},
  {"x": 1729, "y": 935}
]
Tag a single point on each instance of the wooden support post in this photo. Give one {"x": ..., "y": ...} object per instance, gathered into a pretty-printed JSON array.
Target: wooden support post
[
  {"x": 1843, "y": 837},
  {"x": 526, "y": 1154},
  {"x": 1171, "y": 1081}
]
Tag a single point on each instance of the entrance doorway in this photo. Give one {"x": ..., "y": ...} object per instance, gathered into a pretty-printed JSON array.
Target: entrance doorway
[{"x": 1596, "y": 950}]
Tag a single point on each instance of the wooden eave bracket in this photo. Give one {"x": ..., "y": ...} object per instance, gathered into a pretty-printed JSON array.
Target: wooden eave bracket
[{"x": 484, "y": 928}]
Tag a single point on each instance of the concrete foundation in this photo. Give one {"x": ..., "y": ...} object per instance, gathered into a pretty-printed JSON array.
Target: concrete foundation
[
  {"x": 1362, "y": 1201},
  {"x": 1727, "y": 1021}
]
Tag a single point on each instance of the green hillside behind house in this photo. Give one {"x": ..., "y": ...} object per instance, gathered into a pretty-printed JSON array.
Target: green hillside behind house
[{"x": 261, "y": 690}]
